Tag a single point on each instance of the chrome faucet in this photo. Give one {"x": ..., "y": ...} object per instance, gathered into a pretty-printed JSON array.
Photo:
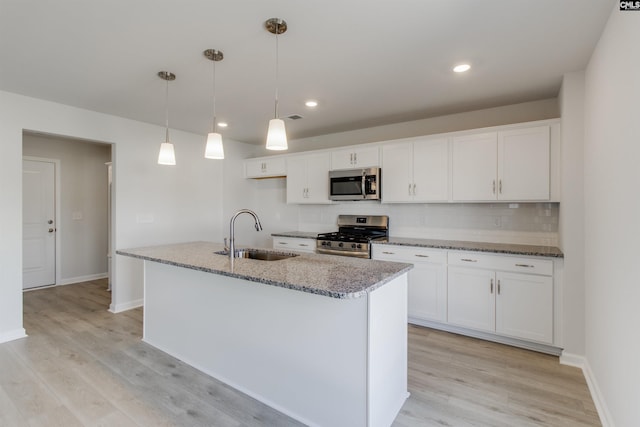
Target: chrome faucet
[{"x": 232, "y": 227}]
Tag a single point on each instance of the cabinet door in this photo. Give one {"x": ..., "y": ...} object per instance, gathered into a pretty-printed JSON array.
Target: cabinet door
[
  {"x": 355, "y": 158},
  {"x": 475, "y": 167},
  {"x": 397, "y": 173},
  {"x": 296, "y": 179},
  {"x": 317, "y": 168},
  {"x": 262, "y": 168},
  {"x": 523, "y": 164},
  {"x": 471, "y": 299},
  {"x": 427, "y": 297},
  {"x": 524, "y": 306},
  {"x": 431, "y": 170}
]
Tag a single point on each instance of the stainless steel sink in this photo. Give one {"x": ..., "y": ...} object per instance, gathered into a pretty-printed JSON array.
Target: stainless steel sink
[{"x": 259, "y": 254}]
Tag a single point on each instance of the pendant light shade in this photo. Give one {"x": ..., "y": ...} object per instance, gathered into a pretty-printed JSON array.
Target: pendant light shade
[
  {"x": 276, "y": 134},
  {"x": 214, "y": 148},
  {"x": 167, "y": 155}
]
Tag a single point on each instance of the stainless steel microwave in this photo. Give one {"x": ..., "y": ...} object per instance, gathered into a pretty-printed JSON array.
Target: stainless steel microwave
[{"x": 355, "y": 184}]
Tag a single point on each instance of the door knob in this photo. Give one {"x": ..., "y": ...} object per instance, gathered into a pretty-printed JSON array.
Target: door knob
[
  {"x": 50, "y": 221},
  {"x": 51, "y": 230}
]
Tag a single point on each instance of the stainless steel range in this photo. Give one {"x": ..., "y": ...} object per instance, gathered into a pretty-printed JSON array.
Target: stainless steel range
[{"x": 354, "y": 236}]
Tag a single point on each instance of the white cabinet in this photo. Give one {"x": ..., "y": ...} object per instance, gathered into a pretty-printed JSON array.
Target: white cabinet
[
  {"x": 416, "y": 171},
  {"x": 265, "y": 168},
  {"x": 427, "y": 293},
  {"x": 509, "y": 296},
  {"x": 294, "y": 244},
  {"x": 355, "y": 157},
  {"x": 505, "y": 165},
  {"x": 308, "y": 178}
]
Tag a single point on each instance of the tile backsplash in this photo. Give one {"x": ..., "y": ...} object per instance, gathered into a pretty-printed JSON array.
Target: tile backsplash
[{"x": 526, "y": 223}]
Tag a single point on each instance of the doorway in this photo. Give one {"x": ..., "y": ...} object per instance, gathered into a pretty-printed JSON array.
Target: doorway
[{"x": 80, "y": 223}]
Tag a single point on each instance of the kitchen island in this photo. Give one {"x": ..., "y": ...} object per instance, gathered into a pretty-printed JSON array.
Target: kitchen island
[{"x": 320, "y": 338}]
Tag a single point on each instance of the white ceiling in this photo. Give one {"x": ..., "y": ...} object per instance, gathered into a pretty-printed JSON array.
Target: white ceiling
[{"x": 368, "y": 62}]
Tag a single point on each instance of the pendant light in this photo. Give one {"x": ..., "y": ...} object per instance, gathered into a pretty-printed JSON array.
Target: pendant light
[
  {"x": 167, "y": 155},
  {"x": 276, "y": 135},
  {"x": 214, "y": 148}
]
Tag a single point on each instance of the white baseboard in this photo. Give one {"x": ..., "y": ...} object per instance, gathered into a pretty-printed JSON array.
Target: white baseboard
[
  {"x": 12, "y": 335},
  {"x": 130, "y": 305},
  {"x": 80, "y": 279},
  {"x": 598, "y": 399}
]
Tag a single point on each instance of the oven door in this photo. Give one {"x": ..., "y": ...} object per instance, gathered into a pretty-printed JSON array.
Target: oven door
[{"x": 358, "y": 184}]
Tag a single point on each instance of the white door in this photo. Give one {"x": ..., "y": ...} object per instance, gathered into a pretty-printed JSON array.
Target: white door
[
  {"x": 475, "y": 167},
  {"x": 397, "y": 173},
  {"x": 318, "y": 166},
  {"x": 470, "y": 299},
  {"x": 38, "y": 224}
]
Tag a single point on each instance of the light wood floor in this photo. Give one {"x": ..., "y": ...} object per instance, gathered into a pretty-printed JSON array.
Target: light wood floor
[{"x": 82, "y": 365}]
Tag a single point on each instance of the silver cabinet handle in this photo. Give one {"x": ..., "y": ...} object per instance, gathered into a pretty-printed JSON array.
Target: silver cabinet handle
[
  {"x": 302, "y": 244},
  {"x": 491, "y": 288},
  {"x": 500, "y": 186},
  {"x": 468, "y": 260},
  {"x": 414, "y": 189},
  {"x": 409, "y": 188},
  {"x": 498, "y": 287},
  {"x": 283, "y": 243},
  {"x": 355, "y": 158},
  {"x": 421, "y": 256},
  {"x": 494, "y": 186},
  {"x": 388, "y": 253},
  {"x": 525, "y": 265},
  {"x": 351, "y": 158}
]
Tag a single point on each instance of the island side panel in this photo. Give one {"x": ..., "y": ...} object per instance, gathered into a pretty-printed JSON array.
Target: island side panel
[
  {"x": 387, "y": 352},
  {"x": 301, "y": 353}
]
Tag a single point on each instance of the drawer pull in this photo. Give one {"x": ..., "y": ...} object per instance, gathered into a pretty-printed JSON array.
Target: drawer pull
[
  {"x": 525, "y": 265},
  {"x": 388, "y": 253},
  {"x": 283, "y": 243},
  {"x": 421, "y": 256},
  {"x": 468, "y": 260},
  {"x": 302, "y": 244}
]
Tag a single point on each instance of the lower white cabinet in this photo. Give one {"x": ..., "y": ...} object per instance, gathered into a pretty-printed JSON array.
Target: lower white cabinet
[
  {"x": 509, "y": 296},
  {"x": 294, "y": 244},
  {"x": 427, "y": 293}
]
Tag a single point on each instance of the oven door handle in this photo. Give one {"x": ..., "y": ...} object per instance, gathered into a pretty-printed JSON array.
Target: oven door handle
[
  {"x": 364, "y": 183},
  {"x": 343, "y": 253}
]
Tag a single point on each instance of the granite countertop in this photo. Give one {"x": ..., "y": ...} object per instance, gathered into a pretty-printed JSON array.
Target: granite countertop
[
  {"x": 328, "y": 275},
  {"x": 500, "y": 248}
]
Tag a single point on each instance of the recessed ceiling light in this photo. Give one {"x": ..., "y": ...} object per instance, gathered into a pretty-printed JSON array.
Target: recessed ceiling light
[
  {"x": 311, "y": 103},
  {"x": 223, "y": 124},
  {"x": 462, "y": 68}
]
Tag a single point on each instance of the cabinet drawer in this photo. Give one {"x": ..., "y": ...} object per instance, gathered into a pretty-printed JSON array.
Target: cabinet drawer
[
  {"x": 294, "y": 244},
  {"x": 502, "y": 263},
  {"x": 408, "y": 254}
]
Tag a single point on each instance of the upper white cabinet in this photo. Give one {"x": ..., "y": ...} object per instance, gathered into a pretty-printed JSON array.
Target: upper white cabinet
[
  {"x": 308, "y": 178},
  {"x": 505, "y": 165},
  {"x": 355, "y": 157},
  {"x": 415, "y": 171},
  {"x": 265, "y": 167}
]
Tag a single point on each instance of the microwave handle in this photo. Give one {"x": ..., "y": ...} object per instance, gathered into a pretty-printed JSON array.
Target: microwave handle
[{"x": 364, "y": 184}]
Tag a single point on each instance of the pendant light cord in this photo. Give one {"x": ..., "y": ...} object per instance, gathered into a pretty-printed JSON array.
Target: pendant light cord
[
  {"x": 277, "y": 77},
  {"x": 214, "y": 97},
  {"x": 167, "y": 111}
]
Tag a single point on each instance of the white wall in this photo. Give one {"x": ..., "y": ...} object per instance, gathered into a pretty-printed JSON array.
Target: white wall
[
  {"x": 84, "y": 193},
  {"x": 612, "y": 220},
  {"x": 183, "y": 202},
  {"x": 571, "y": 227}
]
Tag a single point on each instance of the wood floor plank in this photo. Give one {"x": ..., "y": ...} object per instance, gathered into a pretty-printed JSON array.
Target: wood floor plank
[{"x": 82, "y": 365}]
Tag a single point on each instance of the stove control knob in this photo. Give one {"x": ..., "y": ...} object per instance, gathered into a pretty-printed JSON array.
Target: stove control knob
[
  {"x": 340, "y": 244},
  {"x": 326, "y": 243},
  {"x": 353, "y": 245},
  {"x": 359, "y": 246}
]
